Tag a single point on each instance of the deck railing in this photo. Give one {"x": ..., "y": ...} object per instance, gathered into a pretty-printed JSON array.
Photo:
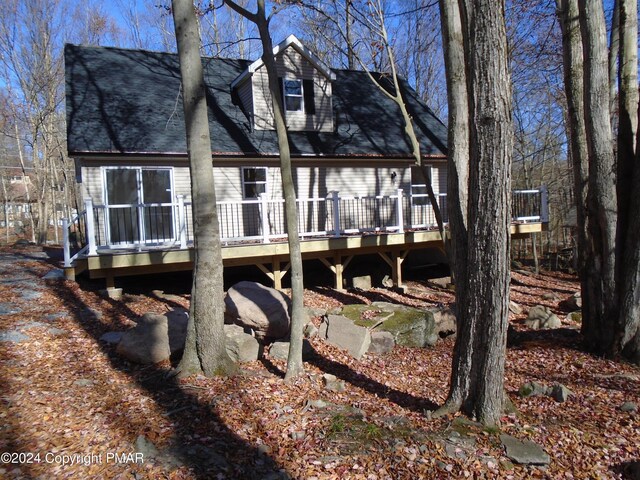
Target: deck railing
[{"x": 263, "y": 219}]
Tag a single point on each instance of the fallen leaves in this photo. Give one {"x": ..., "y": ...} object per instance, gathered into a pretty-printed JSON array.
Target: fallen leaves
[{"x": 70, "y": 394}]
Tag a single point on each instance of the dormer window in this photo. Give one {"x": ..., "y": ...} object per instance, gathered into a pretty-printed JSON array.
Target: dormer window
[
  {"x": 293, "y": 98},
  {"x": 304, "y": 83}
]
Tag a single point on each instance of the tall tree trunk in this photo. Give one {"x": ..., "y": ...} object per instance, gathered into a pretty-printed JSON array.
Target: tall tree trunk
[
  {"x": 457, "y": 185},
  {"x": 628, "y": 339},
  {"x": 614, "y": 50},
  {"x": 351, "y": 61},
  {"x": 600, "y": 301},
  {"x": 484, "y": 305},
  {"x": 576, "y": 129},
  {"x": 205, "y": 345},
  {"x": 298, "y": 316},
  {"x": 26, "y": 188}
]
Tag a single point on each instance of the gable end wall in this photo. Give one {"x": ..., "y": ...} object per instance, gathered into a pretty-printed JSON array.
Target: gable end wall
[{"x": 291, "y": 64}]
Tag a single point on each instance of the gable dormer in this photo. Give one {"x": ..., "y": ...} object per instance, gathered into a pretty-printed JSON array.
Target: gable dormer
[{"x": 305, "y": 85}]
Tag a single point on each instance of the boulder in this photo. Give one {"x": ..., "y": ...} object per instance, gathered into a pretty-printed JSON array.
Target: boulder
[
  {"x": 241, "y": 346},
  {"x": 310, "y": 330},
  {"x": 362, "y": 283},
  {"x": 515, "y": 308},
  {"x": 381, "y": 342},
  {"x": 572, "y": 303},
  {"x": 560, "y": 393},
  {"x": 629, "y": 407},
  {"x": 112, "y": 338},
  {"x": 445, "y": 320},
  {"x": 264, "y": 310},
  {"x": 541, "y": 317},
  {"x": 147, "y": 342},
  {"x": 533, "y": 389},
  {"x": 332, "y": 383},
  {"x": 574, "y": 317},
  {"x": 344, "y": 333},
  {"x": 280, "y": 350},
  {"x": 524, "y": 451},
  {"x": 178, "y": 320},
  {"x": 550, "y": 296},
  {"x": 442, "y": 282},
  {"x": 315, "y": 312},
  {"x": 410, "y": 327}
]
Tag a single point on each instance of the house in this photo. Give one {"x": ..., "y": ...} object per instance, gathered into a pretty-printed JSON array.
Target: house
[
  {"x": 15, "y": 187},
  {"x": 354, "y": 171}
]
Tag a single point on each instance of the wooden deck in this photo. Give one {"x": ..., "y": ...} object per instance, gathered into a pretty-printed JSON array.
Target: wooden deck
[{"x": 273, "y": 258}]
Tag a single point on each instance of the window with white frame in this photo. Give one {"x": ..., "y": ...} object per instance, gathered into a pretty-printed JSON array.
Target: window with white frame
[
  {"x": 293, "y": 95},
  {"x": 419, "y": 192},
  {"x": 254, "y": 181}
]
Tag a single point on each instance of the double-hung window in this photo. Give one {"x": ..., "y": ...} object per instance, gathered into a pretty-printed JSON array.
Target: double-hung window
[
  {"x": 293, "y": 95},
  {"x": 254, "y": 181}
]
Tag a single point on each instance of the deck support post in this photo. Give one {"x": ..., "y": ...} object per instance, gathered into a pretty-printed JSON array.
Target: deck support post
[
  {"x": 276, "y": 273},
  {"x": 338, "y": 267},
  {"x": 110, "y": 281},
  {"x": 395, "y": 262}
]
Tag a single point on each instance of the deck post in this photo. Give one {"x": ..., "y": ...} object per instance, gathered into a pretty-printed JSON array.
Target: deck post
[
  {"x": 335, "y": 197},
  {"x": 264, "y": 216},
  {"x": 91, "y": 230},
  {"x": 337, "y": 260},
  {"x": 277, "y": 274},
  {"x": 395, "y": 262},
  {"x": 399, "y": 212},
  {"x": 544, "y": 207},
  {"x": 396, "y": 270},
  {"x": 66, "y": 247},
  {"x": 182, "y": 222}
]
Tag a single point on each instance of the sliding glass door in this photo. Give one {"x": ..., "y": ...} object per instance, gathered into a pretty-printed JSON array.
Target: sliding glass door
[{"x": 139, "y": 205}]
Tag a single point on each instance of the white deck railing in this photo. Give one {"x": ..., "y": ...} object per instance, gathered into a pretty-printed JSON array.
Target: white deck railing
[{"x": 169, "y": 225}]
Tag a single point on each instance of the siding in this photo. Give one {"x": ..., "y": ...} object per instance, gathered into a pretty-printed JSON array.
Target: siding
[
  {"x": 245, "y": 93},
  {"x": 291, "y": 64}
]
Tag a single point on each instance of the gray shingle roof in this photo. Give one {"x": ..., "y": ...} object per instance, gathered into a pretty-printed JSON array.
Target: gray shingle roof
[{"x": 128, "y": 101}]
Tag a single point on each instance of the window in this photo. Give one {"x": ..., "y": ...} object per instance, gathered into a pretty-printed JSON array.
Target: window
[
  {"x": 254, "y": 181},
  {"x": 419, "y": 186},
  {"x": 293, "y": 95}
]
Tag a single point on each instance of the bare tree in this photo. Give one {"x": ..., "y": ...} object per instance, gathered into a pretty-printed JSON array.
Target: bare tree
[
  {"x": 261, "y": 20},
  {"x": 600, "y": 308},
  {"x": 611, "y": 250},
  {"x": 628, "y": 156},
  {"x": 31, "y": 62},
  {"x": 479, "y": 356},
  {"x": 205, "y": 350}
]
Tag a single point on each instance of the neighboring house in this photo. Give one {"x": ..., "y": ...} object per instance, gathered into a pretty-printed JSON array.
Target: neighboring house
[
  {"x": 16, "y": 203},
  {"x": 125, "y": 128}
]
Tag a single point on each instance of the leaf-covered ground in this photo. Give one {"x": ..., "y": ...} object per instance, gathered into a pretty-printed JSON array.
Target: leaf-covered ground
[{"x": 66, "y": 397}]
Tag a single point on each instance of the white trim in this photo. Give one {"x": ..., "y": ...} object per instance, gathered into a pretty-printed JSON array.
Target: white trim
[
  {"x": 284, "y": 94},
  {"x": 140, "y": 191},
  {"x": 260, "y": 182},
  {"x": 290, "y": 41}
]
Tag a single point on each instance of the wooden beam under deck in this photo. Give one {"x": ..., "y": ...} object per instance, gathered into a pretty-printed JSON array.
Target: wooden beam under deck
[{"x": 272, "y": 258}]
